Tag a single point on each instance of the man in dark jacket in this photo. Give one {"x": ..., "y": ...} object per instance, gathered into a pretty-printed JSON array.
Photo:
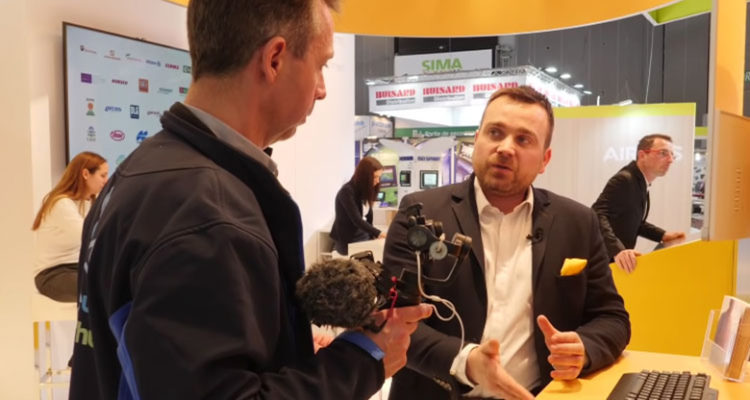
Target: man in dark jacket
[
  {"x": 192, "y": 252},
  {"x": 528, "y": 315},
  {"x": 623, "y": 205}
]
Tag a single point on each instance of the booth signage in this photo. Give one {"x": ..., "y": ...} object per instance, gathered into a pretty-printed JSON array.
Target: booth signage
[
  {"x": 458, "y": 131},
  {"x": 442, "y": 62},
  {"x": 465, "y": 92}
]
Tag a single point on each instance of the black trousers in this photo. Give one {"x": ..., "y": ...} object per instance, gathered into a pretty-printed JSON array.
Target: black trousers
[{"x": 59, "y": 283}]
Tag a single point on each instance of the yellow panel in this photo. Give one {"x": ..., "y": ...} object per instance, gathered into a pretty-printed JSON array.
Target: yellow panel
[
  {"x": 180, "y": 2},
  {"x": 672, "y": 291},
  {"x": 449, "y": 18},
  {"x": 729, "y": 52},
  {"x": 658, "y": 109}
]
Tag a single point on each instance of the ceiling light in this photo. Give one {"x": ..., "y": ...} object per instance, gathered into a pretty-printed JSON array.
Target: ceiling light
[
  {"x": 550, "y": 70},
  {"x": 412, "y": 78},
  {"x": 586, "y": 92},
  {"x": 578, "y": 86},
  {"x": 565, "y": 75},
  {"x": 625, "y": 102}
]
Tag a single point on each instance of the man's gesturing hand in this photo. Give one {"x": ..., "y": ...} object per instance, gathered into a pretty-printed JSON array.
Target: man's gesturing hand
[
  {"x": 484, "y": 369},
  {"x": 567, "y": 354}
]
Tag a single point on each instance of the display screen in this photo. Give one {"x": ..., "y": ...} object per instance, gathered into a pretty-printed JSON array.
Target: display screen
[
  {"x": 428, "y": 179},
  {"x": 388, "y": 177},
  {"x": 404, "y": 178},
  {"x": 380, "y": 197},
  {"x": 116, "y": 89}
]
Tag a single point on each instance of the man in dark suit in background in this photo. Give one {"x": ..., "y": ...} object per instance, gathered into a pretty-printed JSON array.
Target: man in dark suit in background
[
  {"x": 525, "y": 324},
  {"x": 623, "y": 204}
]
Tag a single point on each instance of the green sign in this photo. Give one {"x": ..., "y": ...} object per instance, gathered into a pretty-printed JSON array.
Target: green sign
[{"x": 436, "y": 132}]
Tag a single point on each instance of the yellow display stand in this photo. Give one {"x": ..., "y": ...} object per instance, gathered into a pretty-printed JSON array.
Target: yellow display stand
[{"x": 671, "y": 292}]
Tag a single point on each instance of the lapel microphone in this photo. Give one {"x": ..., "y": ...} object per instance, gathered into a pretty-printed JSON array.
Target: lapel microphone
[{"x": 537, "y": 237}]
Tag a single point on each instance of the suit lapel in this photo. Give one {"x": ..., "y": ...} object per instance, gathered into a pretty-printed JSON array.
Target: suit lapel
[
  {"x": 541, "y": 223},
  {"x": 464, "y": 209}
]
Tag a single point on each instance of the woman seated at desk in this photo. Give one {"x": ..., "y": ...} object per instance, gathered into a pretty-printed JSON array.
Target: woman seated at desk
[
  {"x": 361, "y": 190},
  {"x": 58, "y": 226}
]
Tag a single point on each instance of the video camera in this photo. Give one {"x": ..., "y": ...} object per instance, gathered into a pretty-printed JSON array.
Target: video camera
[{"x": 345, "y": 292}]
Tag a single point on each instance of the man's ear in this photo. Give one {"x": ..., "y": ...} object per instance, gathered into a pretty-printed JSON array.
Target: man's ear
[{"x": 272, "y": 57}]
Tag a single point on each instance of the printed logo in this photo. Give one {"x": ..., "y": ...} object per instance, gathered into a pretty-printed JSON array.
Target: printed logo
[
  {"x": 117, "y": 135},
  {"x": 142, "y": 135},
  {"x": 90, "y": 107},
  {"x": 153, "y": 113},
  {"x": 171, "y": 66},
  {"x": 120, "y": 82},
  {"x": 153, "y": 62},
  {"x": 165, "y": 90},
  {"x": 112, "y": 55},
  {"x": 91, "y": 134},
  {"x": 85, "y": 78},
  {"x": 135, "y": 112},
  {"x": 143, "y": 85},
  {"x": 112, "y": 109},
  {"x": 187, "y": 69},
  {"x": 120, "y": 159},
  {"x": 183, "y": 90},
  {"x": 130, "y": 57},
  {"x": 87, "y": 50}
]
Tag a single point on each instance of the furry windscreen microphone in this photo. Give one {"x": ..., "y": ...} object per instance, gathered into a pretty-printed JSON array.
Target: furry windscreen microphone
[{"x": 340, "y": 293}]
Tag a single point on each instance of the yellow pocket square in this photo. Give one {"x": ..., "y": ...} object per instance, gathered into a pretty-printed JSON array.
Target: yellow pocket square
[{"x": 572, "y": 266}]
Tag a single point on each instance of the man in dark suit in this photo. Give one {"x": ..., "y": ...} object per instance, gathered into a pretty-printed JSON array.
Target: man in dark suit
[
  {"x": 524, "y": 322},
  {"x": 623, "y": 205}
]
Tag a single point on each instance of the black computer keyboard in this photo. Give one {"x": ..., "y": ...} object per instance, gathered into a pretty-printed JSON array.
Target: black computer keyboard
[{"x": 663, "y": 385}]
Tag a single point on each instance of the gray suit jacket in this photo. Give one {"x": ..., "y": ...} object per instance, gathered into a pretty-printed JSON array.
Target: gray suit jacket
[{"x": 587, "y": 303}]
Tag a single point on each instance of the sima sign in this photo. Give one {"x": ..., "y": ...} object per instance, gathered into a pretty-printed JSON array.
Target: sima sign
[{"x": 441, "y": 65}]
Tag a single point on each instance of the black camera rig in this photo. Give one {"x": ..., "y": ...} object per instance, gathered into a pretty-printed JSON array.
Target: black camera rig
[{"x": 427, "y": 239}]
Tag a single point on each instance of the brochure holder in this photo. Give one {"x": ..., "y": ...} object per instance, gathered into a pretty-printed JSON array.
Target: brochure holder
[{"x": 729, "y": 348}]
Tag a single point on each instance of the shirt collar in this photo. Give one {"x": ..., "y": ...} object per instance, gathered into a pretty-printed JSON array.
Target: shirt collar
[
  {"x": 483, "y": 203},
  {"x": 228, "y": 135}
]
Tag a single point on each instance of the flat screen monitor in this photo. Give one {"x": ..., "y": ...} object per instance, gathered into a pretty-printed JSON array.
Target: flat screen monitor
[
  {"x": 116, "y": 89},
  {"x": 404, "y": 178},
  {"x": 380, "y": 197},
  {"x": 388, "y": 177},
  {"x": 428, "y": 179}
]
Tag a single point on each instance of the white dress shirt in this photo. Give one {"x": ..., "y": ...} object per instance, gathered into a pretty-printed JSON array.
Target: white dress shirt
[{"x": 507, "y": 271}]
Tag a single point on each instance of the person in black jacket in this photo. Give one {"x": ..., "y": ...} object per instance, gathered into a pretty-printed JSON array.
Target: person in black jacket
[
  {"x": 191, "y": 254},
  {"x": 362, "y": 188},
  {"x": 623, "y": 205},
  {"x": 526, "y": 320}
]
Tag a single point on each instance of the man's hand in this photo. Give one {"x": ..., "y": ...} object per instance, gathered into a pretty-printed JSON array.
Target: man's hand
[
  {"x": 394, "y": 338},
  {"x": 626, "y": 260},
  {"x": 382, "y": 235},
  {"x": 567, "y": 353},
  {"x": 670, "y": 236},
  {"x": 484, "y": 369}
]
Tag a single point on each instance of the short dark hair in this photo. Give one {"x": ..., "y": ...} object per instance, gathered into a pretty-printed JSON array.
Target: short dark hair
[
  {"x": 224, "y": 34},
  {"x": 363, "y": 179},
  {"x": 647, "y": 141},
  {"x": 528, "y": 95}
]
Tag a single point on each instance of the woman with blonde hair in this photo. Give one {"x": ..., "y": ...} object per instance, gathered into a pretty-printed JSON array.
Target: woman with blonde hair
[{"x": 59, "y": 223}]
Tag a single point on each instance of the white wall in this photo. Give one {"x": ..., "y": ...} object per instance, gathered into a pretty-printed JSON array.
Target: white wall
[
  {"x": 312, "y": 166},
  {"x": 16, "y": 344},
  {"x": 320, "y": 157}
]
